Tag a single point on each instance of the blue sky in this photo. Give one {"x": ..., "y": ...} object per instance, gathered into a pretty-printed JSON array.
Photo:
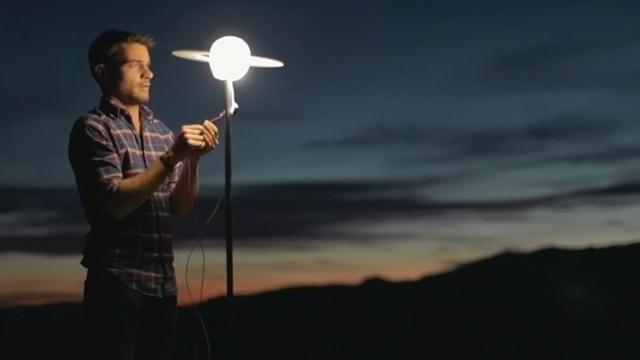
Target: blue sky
[
  {"x": 531, "y": 95},
  {"x": 451, "y": 129}
]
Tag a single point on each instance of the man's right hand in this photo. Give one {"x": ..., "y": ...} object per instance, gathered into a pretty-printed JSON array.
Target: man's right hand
[{"x": 194, "y": 138}]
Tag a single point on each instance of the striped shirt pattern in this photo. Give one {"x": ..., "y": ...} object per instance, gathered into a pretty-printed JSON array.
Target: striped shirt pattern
[{"x": 104, "y": 150}]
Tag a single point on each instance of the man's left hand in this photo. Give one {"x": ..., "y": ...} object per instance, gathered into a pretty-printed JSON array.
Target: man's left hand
[{"x": 209, "y": 134}]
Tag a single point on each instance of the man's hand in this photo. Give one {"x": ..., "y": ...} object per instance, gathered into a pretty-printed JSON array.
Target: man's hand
[
  {"x": 211, "y": 137},
  {"x": 193, "y": 140}
]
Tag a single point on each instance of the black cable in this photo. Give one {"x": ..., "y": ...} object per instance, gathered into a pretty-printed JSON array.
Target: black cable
[{"x": 202, "y": 273}]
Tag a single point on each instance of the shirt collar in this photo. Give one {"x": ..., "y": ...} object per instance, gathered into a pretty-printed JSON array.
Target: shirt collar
[{"x": 109, "y": 108}]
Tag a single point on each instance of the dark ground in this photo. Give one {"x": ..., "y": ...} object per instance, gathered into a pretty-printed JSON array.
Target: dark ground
[{"x": 550, "y": 304}]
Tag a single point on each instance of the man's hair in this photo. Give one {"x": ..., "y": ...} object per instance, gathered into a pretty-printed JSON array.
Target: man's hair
[{"x": 107, "y": 47}]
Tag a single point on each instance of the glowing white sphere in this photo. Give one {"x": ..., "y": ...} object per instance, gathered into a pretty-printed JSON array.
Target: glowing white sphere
[{"x": 229, "y": 58}]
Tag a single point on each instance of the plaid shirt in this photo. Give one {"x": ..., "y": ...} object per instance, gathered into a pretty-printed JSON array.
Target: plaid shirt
[{"x": 103, "y": 150}]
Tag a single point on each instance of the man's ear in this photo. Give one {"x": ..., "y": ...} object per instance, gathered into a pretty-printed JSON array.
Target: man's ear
[{"x": 100, "y": 71}]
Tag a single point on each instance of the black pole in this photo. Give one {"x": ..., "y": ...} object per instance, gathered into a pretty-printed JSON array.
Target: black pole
[{"x": 228, "y": 114}]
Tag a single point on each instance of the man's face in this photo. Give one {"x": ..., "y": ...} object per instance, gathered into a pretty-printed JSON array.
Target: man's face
[{"x": 132, "y": 77}]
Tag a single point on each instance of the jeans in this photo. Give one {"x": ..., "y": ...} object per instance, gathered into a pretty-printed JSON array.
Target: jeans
[{"x": 123, "y": 324}]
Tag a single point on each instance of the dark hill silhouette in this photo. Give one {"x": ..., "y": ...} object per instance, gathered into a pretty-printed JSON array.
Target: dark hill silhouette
[{"x": 549, "y": 304}]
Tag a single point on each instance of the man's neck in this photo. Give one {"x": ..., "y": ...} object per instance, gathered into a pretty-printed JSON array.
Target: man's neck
[{"x": 133, "y": 110}]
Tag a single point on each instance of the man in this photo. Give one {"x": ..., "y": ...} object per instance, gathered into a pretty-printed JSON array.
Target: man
[{"x": 131, "y": 173}]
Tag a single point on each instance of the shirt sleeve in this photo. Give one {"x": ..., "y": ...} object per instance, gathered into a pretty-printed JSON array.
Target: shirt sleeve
[
  {"x": 174, "y": 176},
  {"x": 94, "y": 158}
]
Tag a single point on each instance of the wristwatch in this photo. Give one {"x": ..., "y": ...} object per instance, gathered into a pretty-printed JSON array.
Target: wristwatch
[{"x": 164, "y": 158}]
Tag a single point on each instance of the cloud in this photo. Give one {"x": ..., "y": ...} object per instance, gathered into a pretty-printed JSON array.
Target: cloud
[
  {"x": 590, "y": 60},
  {"x": 617, "y": 190},
  {"x": 538, "y": 136},
  {"x": 284, "y": 215},
  {"x": 607, "y": 155},
  {"x": 378, "y": 135}
]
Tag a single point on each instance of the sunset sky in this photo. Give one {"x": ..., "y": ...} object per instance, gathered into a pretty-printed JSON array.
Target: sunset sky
[{"x": 400, "y": 139}]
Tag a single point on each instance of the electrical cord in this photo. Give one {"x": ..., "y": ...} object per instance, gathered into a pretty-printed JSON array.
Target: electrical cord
[{"x": 198, "y": 241}]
